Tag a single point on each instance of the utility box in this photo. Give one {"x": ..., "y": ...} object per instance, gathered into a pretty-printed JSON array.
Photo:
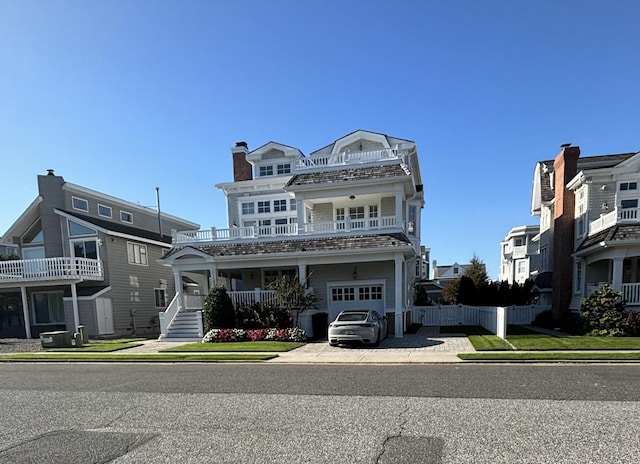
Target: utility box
[{"x": 57, "y": 339}]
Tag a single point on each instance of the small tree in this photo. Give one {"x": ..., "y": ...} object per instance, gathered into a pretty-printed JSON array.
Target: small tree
[
  {"x": 293, "y": 296},
  {"x": 450, "y": 292},
  {"x": 477, "y": 272},
  {"x": 467, "y": 292},
  {"x": 604, "y": 312},
  {"x": 218, "y": 311}
]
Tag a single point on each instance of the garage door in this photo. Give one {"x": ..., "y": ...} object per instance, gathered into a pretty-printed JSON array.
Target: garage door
[{"x": 355, "y": 297}]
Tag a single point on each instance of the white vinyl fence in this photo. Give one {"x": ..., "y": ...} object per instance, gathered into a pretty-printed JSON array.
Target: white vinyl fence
[{"x": 492, "y": 318}]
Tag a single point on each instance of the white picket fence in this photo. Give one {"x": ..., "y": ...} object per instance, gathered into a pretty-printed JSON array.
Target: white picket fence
[{"x": 492, "y": 318}]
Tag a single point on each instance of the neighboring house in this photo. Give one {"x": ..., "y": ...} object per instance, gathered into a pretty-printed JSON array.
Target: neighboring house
[
  {"x": 444, "y": 275},
  {"x": 589, "y": 225},
  {"x": 87, "y": 259},
  {"x": 344, "y": 220},
  {"x": 519, "y": 256}
]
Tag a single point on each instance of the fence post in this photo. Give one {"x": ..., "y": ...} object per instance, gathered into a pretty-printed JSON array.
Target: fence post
[
  {"x": 257, "y": 294},
  {"x": 501, "y": 322}
]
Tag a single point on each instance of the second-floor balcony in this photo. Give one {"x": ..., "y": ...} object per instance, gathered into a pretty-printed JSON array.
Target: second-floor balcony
[
  {"x": 346, "y": 226},
  {"x": 617, "y": 216},
  {"x": 50, "y": 269},
  {"x": 350, "y": 158}
]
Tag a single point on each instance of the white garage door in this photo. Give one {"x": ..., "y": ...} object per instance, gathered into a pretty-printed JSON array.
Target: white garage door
[{"x": 355, "y": 297}]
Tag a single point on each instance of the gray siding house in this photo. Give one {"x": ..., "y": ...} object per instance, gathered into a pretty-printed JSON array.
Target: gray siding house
[{"x": 89, "y": 259}]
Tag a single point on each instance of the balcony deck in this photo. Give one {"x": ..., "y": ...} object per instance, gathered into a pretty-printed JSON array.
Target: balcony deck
[
  {"x": 348, "y": 226},
  {"x": 350, "y": 158},
  {"x": 50, "y": 269},
  {"x": 617, "y": 216}
]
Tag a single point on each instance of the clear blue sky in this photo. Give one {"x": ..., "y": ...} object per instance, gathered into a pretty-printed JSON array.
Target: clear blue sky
[{"x": 122, "y": 96}]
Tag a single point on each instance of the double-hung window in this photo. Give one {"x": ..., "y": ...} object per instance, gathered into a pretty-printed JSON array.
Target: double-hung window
[
  {"x": 283, "y": 168},
  {"x": 248, "y": 208},
  {"x": 137, "y": 253},
  {"x": 279, "y": 205},
  {"x": 264, "y": 207},
  {"x": 266, "y": 171}
]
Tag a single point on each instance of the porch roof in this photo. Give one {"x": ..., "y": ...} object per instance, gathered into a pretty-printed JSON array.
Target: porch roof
[
  {"x": 320, "y": 244},
  {"x": 348, "y": 175},
  {"x": 616, "y": 233}
]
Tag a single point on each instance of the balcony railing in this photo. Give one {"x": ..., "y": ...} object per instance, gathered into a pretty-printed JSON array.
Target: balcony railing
[
  {"x": 614, "y": 217},
  {"x": 631, "y": 293},
  {"x": 350, "y": 158},
  {"x": 348, "y": 225},
  {"x": 42, "y": 269}
]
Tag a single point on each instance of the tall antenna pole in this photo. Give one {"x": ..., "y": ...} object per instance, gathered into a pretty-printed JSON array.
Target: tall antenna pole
[{"x": 158, "y": 203}]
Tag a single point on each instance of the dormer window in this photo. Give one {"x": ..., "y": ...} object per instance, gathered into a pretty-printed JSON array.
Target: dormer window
[
  {"x": 80, "y": 204},
  {"x": 456, "y": 270},
  {"x": 628, "y": 186},
  {"x": 266, "y": 171},
  {"x": 283, "y": 169}
]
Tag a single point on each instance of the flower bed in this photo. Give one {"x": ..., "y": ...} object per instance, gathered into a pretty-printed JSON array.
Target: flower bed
[{"x": 294, "y": 334}]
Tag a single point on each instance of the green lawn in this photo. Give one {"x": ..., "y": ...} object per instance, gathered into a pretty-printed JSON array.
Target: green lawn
[
  {"x": 262, "y": 346},
  {"x": 480, "y": 338},
  {"x": 103, "y": 346},
  {"x": 543, "y": 342},
  {"x": 163, "y": 357}
]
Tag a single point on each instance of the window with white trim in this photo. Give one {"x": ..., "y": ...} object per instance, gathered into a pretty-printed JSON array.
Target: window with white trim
[
  {"x": 34, "y": 234},
  {"x": 266, "y": 171},
  {"x": 340, "y": 218},
  {"x": 343, "y": 294},
  {"x": 85, "y": 249},
  {"x": 283, "y": 168},
  {"x": 264, "y": 207},
  {"x": 126, "y": 217},
  {"x": 279, "y": 205},
  {"x": 105, "y": 211},
  {"x": 76, "y": 229},
  {"x": 137, "y": 253},
  {"x": 373, "y": 292},
  {"x": 292, "y": 204},
  {"x": 578, "y": 287},
  {"x": 248, "y": 208},
  {"x": 628, "y": 185},
  {"x": 80, "y": 204}
]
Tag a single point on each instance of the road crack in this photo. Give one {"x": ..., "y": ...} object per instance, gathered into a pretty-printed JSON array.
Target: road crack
[{"x": 401, "y": 428}]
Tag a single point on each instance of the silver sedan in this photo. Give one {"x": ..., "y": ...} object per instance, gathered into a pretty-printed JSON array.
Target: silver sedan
[{"x": 358, "y": 325}]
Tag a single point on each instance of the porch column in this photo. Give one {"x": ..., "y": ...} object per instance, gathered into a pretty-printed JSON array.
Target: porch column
[
  {"x": 213, "y": 276},
  {"x": 74, "y": 302},
  {"x": 300, "y": 213},
  {"x": 399, "y": 209},
  {"x": 302, "y": 272},
  {"x": 25, "y": 312},
  {"x": 177, "y": 282},
  {"x": 399, "y": 321},
  {"x": 616, "y": 276}
]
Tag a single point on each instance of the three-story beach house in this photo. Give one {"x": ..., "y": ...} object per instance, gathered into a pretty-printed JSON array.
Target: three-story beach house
[
  {"x": 589, "y": 225},
  {"x": 344, "y": 220},
  {"x": 86, "y": 258}
]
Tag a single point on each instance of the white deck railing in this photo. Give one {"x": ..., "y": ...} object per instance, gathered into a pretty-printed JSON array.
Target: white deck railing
[
  {"x": 618, "y": 215},
  {"x": 349, "y": 158},
  {"x": 169, "y": 314},
  {"x": 631, "y": 293},
  {"x": 284, "y": 230},
  {"x": 42, "y": 269}
]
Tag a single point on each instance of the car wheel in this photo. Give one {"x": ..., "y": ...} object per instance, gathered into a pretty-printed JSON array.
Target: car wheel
[
  {"x": 378, "y": 339},
  {"x": 333, "y": 344}
]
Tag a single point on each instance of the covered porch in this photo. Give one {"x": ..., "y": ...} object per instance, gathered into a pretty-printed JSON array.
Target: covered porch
[{"x": 622, "y": 273}]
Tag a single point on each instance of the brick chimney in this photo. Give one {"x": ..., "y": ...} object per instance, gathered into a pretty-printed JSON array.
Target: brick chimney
[
  {"x": 242, "y": 169},
  {"x": 565, "y": 168}
]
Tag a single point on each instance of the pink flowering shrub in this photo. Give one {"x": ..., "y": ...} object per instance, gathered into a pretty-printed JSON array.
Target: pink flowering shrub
[{"x": 294, "y": 334}]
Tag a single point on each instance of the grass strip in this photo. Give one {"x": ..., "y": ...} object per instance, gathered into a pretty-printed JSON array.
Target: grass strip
[
  {"x": 544, "y": 342},
  {"x": 262, "y": 346},
  {"x": 549, "y": 356},
  {"x": 489, "y": 343},
  {"x": 162, "y": 357},
  {"x": 98, "y": 347},
  {"x": 465, "y": 329}
]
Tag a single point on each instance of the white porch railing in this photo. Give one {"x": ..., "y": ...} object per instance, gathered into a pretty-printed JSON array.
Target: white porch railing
[
  {"x": 631, "y": 293},
  {"x": 616, "y": 216},
  {"x": 42, "y": 269},
  {"x": 284, "y": 230},
  {"x": 167, "y": 317},
  {"x": 348, "y": 158}
]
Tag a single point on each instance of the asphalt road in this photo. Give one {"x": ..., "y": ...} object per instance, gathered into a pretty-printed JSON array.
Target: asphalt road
[{"x": 89, "y": 413}]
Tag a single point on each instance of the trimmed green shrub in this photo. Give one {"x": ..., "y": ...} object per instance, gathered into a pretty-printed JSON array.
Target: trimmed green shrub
[
  {"x": 261, "y": 316},
  {"x": 218, "y": 311},
  {"x": 603, "y": 312}
]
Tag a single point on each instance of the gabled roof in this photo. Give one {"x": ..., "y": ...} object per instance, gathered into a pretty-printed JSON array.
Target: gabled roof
[
  {"x": 348, "y": 175},
  {"x": 325, "y": 245},
  {"x": 335, "y": 146}
]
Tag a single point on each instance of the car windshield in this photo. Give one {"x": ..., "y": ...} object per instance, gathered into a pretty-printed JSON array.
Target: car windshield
[{"x": 351, "y": 317}]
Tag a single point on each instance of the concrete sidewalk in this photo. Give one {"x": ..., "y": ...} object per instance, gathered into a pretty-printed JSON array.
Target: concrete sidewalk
[{"x": 427, "y": 346}]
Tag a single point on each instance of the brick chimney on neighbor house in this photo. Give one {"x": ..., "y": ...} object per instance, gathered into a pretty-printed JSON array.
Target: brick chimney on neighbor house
[
  {"x": 242, "y": 169},
  {"x": 565, "y": 167}
]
